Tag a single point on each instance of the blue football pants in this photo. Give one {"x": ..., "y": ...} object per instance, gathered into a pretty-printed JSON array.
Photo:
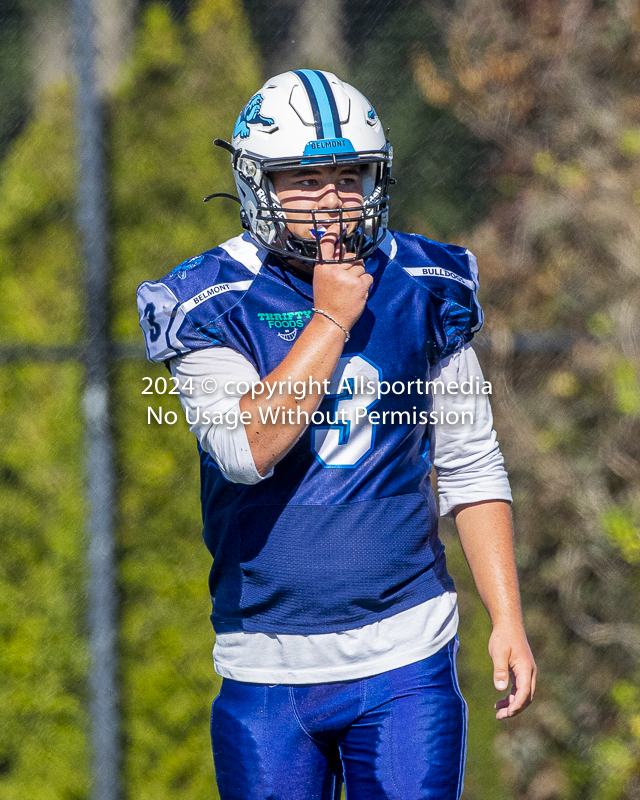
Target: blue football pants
[{"x": 400, "y": 735}]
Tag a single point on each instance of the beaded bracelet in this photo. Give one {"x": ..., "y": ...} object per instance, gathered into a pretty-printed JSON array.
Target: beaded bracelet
[{"x": 347, "y": 335}]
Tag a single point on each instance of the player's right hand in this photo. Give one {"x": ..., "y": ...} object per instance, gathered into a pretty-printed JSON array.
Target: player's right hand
[{"x": 340, "y": 289}]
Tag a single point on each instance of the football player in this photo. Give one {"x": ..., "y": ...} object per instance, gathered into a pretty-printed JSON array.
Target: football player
[{"x": 308, "y": 352}]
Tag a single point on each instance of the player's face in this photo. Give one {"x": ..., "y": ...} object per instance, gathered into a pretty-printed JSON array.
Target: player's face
[{"x": 314, "y": 196}]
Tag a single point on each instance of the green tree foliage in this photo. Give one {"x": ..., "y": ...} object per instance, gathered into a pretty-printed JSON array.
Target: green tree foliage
[
  {"x": 554, "y": 86},
  {"x": 43, "y": 660},
  {"x": 14, "y": 77},
  {"x": 438, "y": 164},
  {"x": 182, "y": 89}
]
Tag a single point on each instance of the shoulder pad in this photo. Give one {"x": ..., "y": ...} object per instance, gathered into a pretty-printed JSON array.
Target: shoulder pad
[
  {"x": 213, "y": 281},
  {"x": 437, "y": 262},
  {"x": 447, "y": 270},
  {"x": 450, "y": 273},
  {"x": 159, "y": 309}
]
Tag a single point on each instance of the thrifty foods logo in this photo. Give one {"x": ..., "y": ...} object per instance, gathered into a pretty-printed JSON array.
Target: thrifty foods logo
[
  {"x": 287, "y": 323},
  {"x": 287, "y": 319}
]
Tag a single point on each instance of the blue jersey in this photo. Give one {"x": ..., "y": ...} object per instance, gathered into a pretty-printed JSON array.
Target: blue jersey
[{"x": 344, "y": 533}]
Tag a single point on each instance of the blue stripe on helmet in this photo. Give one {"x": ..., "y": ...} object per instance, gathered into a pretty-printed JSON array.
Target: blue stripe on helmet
[
  {"x": 332, "y": 105},
  {"x": 317, "y": 118},
  {"x": 323, "y": 104}
]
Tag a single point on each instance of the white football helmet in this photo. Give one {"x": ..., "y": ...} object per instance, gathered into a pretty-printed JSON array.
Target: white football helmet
[{"x": 309, "y": 118}]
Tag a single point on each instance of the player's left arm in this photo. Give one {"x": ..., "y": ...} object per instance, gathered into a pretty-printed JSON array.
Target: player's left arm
[
  {"x": 474, "y": 488},
  {"x": 486, "y": 533}
]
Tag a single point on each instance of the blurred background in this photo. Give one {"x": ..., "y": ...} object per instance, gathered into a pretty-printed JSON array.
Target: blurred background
[{"x": 516, "y": 132}]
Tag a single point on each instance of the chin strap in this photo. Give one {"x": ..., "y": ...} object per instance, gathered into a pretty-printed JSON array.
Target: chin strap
[
  {"x": 231, "y": 149},
  {"x": 223, "y": 194},
  {"x": 225, "y": 146}
]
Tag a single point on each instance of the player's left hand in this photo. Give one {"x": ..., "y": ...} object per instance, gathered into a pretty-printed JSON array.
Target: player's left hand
[{"x": 512, "y": 661}]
